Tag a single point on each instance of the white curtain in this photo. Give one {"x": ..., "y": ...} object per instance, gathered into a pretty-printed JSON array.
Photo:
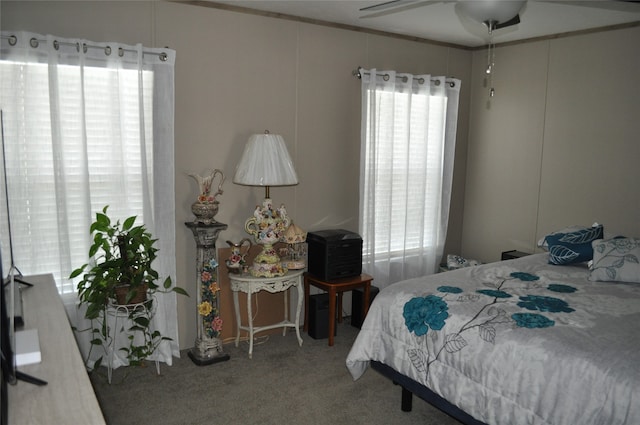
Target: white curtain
[
  {"x": 407, "y": 150},
  {"x": 87, "y": 124}
]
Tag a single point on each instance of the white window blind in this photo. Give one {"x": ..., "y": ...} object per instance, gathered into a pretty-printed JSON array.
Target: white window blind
[
  {"x": 407, "y": 148},
  {"x": 408, "y": 175},
  {"x": 86, "y": 124},
  {"x": 98, "y": 160}
]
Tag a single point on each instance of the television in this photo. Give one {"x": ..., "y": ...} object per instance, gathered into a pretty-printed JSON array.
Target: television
[
  {"x": 10, "y": 374},
  {"x": 8, "y": 366}
]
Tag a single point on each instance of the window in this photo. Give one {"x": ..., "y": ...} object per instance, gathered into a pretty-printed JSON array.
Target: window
[
  {"x": 101, "y": 154},
  {"x": 86, "y": 124},
  {"x": 80, "y": 131},
  {"x": 406, "y": 170},
  {"x": 408, "y": 174}
]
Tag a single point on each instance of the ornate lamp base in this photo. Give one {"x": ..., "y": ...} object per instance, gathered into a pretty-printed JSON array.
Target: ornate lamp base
[
  {"x": 267, "y": 226},
  {"x": 267, "y": 263},
  {"x": 206, "y": 352},
  {"x": 267, "y": 270}
]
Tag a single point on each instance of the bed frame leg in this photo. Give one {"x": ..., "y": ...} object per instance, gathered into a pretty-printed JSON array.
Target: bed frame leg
[{"x": 407, "y": 400}]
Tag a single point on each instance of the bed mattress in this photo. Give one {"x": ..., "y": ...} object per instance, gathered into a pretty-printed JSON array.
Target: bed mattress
[{"x": 513, "y": 342}]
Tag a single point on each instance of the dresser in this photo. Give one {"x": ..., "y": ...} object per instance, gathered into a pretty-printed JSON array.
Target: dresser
[{"x": 68, "y": 397}]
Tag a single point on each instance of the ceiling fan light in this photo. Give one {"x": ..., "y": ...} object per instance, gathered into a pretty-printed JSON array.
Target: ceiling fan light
[{"x": 496, "y": 11}]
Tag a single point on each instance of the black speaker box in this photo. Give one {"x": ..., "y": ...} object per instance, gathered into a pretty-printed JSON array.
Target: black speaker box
[
  {"x": 357, "y": 301},
  {"x": 334, "y": 254},
  {"x": 319, "y": 316}
]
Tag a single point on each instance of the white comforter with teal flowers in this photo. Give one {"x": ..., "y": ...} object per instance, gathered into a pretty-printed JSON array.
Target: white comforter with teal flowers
[{"x": 513, "y": 342}]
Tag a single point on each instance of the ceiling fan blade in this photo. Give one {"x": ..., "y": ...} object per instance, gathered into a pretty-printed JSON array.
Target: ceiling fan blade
[
  {"x": 513, "y": 21},
  {"x": 396, "y": 6},
  {"x": 386, "y": 5}
]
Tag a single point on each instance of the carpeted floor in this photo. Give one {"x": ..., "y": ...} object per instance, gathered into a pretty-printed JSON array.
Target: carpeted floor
[{"x": 283, "y": 384}]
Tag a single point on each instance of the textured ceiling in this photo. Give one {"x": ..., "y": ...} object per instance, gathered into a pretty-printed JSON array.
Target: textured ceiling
[{"x": 443, "y": 21}]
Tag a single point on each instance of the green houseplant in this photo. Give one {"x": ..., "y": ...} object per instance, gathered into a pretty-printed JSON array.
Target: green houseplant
[{"x": 120, "y": 272}]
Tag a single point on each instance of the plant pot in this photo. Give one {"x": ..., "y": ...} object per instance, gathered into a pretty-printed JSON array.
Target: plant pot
[{"x": 123, "y": 290}]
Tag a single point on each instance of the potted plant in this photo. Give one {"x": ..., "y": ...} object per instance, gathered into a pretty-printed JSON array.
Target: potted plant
[{"x": 120, "y": 272}]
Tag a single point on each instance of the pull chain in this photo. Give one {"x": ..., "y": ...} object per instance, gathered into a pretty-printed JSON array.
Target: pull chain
[{"x": 491, "y": 52}]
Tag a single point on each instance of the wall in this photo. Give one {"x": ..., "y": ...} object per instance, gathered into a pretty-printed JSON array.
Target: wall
[
  {"x": 238, "y": 74},
  {"x": 557, "y": 145}
]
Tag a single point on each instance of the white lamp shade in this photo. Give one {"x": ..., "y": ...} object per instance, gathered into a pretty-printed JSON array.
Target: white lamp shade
[
  {"x": 491, "y": 10},
  {"x": 265, "y": 162}
]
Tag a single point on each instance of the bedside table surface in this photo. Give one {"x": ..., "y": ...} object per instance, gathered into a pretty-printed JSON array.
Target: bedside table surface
[
  {"x": 250, "y": 278},
  {"x": 250, "y": 285}
]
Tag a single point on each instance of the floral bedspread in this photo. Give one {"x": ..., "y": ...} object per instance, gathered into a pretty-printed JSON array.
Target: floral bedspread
[{"x": 513, "y": 342}]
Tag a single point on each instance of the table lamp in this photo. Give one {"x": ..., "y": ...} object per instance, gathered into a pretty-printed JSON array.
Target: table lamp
[{"x": 266, "y": 162}]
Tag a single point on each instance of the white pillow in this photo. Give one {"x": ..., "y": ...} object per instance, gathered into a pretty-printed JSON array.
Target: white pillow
[
  {"x": 457, "y": 262},
  {"x": 616, "y": 260}
]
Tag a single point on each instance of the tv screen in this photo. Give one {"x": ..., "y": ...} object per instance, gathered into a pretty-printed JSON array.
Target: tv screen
[
  {"x": 10, "y": 375},
  {"x": 8, "y": 366}
]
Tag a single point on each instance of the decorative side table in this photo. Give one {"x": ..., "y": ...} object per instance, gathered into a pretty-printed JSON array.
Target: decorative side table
[
  {"x": 250, "y": 285},
  {"x": 208, "y": 345}
]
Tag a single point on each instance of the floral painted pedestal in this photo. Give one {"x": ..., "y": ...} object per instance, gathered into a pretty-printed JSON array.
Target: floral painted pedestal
[{"x": 208, "y": 345}]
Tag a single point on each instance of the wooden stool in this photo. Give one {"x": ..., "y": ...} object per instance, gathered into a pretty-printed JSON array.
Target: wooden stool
[{"x": 333, "y": 287}]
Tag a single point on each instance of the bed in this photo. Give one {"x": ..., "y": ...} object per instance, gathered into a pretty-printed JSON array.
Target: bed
[{"x": 514, "y": 342}]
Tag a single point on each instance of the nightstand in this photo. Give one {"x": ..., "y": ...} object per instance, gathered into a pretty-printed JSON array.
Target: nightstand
[
  {"x": 250, "y": 285},
  {"x": 336, "y": 288},
  {"x": 513, "y": 254}
]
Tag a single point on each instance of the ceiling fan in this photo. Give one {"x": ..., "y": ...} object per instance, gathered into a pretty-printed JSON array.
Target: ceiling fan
[{"x": 494, "y": 14}]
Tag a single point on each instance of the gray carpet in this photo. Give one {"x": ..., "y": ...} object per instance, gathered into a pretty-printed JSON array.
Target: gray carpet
[{"x": 283, "y": 384}]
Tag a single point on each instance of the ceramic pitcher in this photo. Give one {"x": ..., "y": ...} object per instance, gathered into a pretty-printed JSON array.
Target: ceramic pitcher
[{"x": 239, "y": 252}]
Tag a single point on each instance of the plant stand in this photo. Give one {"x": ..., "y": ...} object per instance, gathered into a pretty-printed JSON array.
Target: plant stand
[
  {"x": 121, "y": 312},
  {"x": 208, "y": 346}
]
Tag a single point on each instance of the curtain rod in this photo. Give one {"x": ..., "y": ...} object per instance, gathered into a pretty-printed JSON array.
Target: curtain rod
[
  {"x": 34, "y": 42},
  {"x": 358, "y": 74}
]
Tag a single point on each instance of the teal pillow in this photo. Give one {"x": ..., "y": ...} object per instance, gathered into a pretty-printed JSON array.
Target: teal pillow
[{"x": 573, "y": 247}]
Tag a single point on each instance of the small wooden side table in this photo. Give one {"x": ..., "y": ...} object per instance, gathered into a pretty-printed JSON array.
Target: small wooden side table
[
  {"x": 250, "y": 285},
  {"x": 333, "y": 287}
]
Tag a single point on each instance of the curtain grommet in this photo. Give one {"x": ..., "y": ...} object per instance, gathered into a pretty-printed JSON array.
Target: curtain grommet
[
  {"x": 12, "y": 40},
  {"x": 34, "y": 42}
]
